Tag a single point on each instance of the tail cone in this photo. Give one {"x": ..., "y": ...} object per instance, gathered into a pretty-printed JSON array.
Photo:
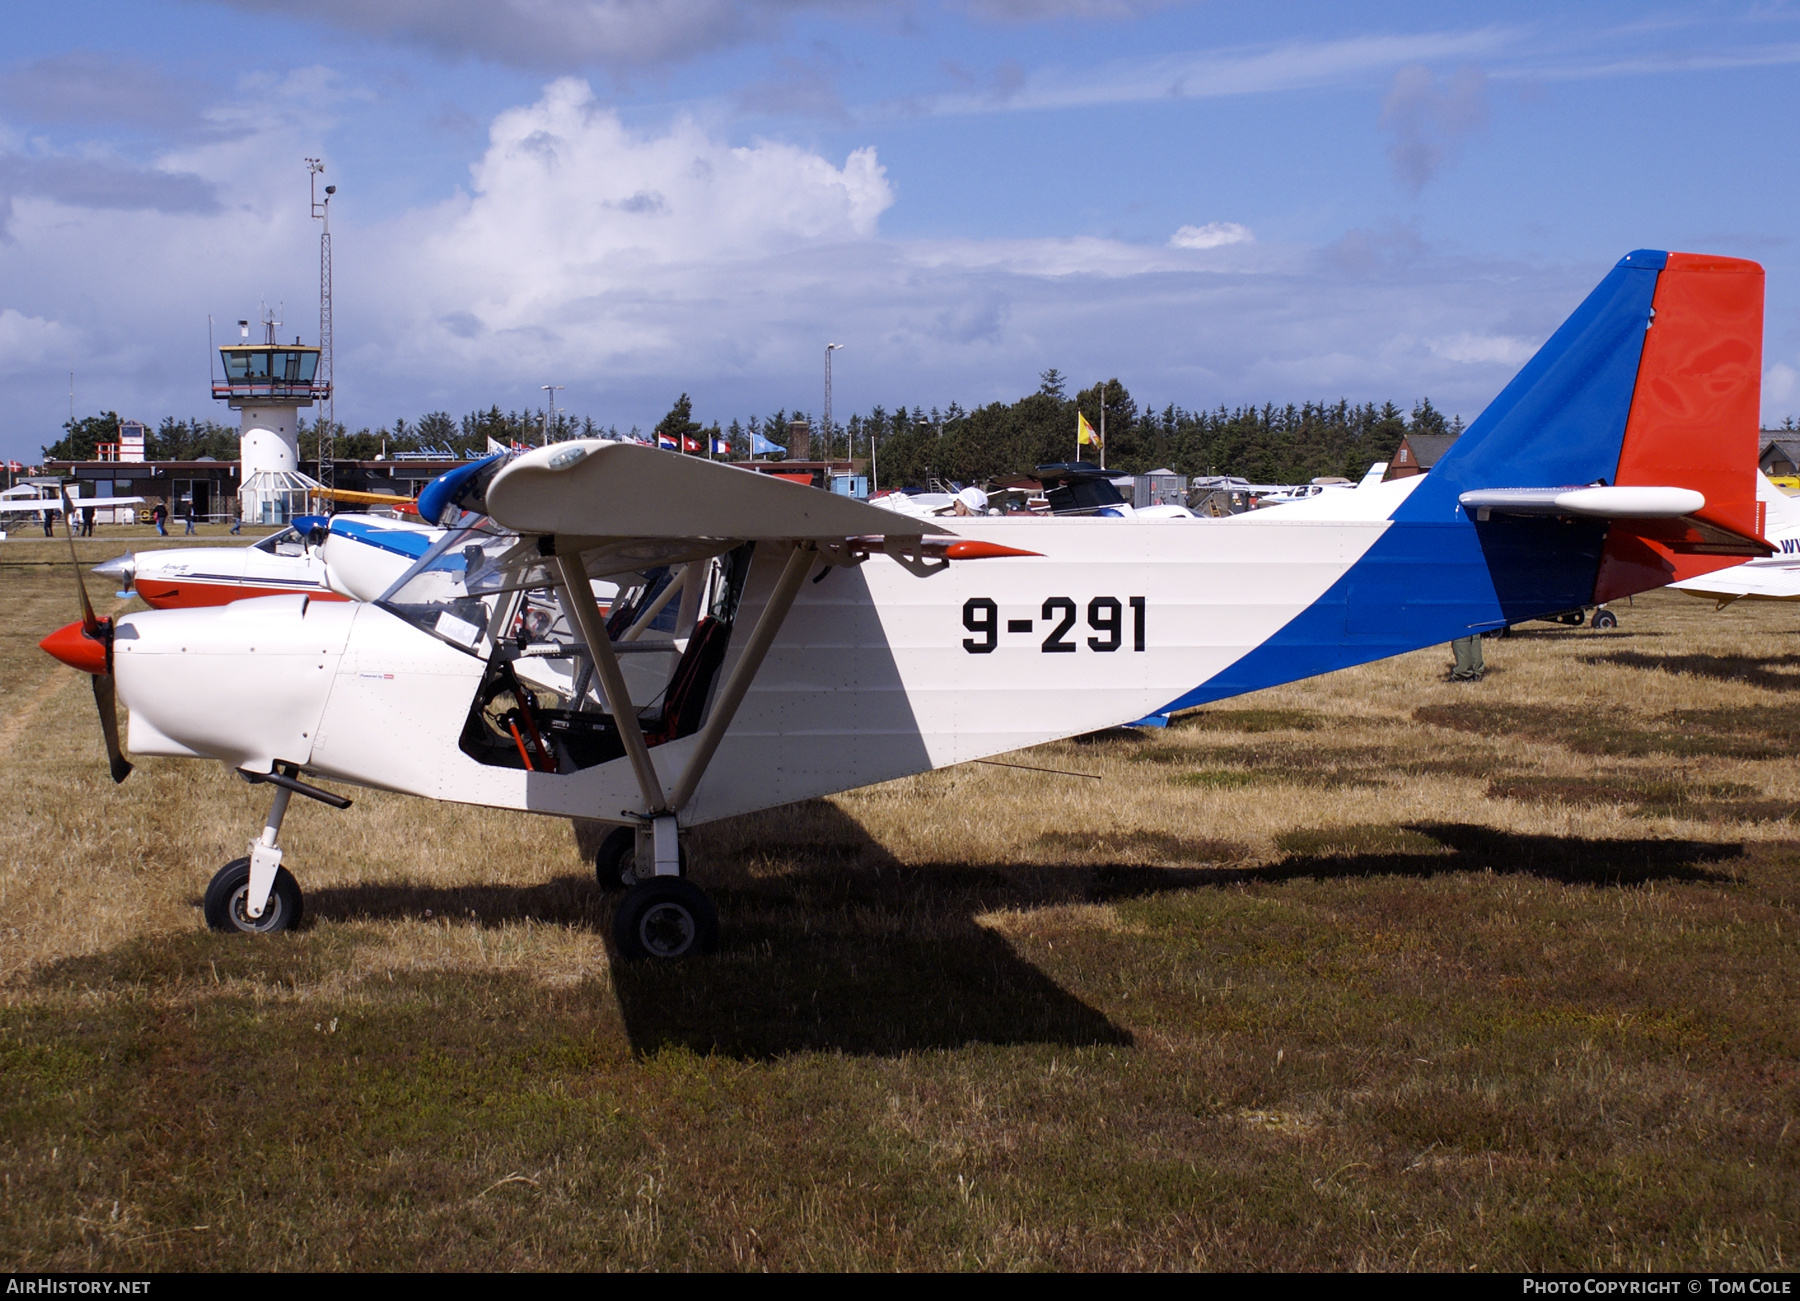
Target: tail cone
[{"x": 74, "y": 647}]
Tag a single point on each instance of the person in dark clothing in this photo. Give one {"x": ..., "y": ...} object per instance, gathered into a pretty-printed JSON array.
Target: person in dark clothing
[
  {"x": 87, "y": 522},
  {"x": 49, "y": 523},
  {"x": 159, "y": 517}
]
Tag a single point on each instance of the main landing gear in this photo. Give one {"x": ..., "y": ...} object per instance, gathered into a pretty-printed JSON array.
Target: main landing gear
[{"x": 662, "y": 913}]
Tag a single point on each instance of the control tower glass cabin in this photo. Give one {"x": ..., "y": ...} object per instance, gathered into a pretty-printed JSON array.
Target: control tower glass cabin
[{"x": 268, "y": 383}]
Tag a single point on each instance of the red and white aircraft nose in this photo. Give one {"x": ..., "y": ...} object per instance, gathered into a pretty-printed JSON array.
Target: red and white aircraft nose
[{"x": 75, "y": 648}]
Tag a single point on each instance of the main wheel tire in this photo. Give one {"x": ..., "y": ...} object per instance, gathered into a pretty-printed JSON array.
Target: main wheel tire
[
  {"x": 615, "y": 862},
  {"x": 230, "y": 890},
  {"x": 665, "y": 917},
  {"x": 1605, "y": 619}
]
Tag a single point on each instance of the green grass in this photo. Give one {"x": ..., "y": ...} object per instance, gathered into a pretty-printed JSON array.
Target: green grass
[{"x": 1454, "y": 991}]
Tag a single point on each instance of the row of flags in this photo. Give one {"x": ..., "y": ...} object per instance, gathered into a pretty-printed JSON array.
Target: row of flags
[
  {"x": 759, "y": 446},
  {"x": 693, "y": 446}
]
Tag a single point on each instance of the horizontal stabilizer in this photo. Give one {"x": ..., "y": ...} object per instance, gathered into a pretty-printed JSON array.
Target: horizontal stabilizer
[{"x": 1615, "y": 502}]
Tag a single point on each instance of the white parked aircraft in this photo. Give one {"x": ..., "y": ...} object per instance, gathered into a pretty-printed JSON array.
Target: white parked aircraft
[
  {"x": 1770, "y": 578},
  {"x": 345, "y": 557},
  {"x": 819, "y": 644},
  {"x": 33, "y": 499}
]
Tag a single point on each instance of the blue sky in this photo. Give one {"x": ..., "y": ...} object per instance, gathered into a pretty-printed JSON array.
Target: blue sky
[{"x": 1217, "y": 202}]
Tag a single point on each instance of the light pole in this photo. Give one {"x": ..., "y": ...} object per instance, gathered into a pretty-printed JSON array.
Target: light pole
[
  {"x": 550, "y": 414},
  {"x": 327, "y": 424},
  {"x": 829, "y": 349}
]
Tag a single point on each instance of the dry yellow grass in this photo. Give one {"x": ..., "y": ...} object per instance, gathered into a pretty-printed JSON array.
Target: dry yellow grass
[{"x": 1373, "y": 970}]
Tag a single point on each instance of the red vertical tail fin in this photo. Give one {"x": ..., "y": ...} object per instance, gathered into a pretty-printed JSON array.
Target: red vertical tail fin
[{"x": 1695, "y": 417}]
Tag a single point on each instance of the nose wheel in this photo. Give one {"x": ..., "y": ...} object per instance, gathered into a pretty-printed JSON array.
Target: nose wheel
[
  {"x": 665, "y": 917},
  {"x": 227, "y": 902}
]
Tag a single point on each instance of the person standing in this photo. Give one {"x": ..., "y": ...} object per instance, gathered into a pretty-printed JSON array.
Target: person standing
[
  {"x": 159, "y": 517},
  {"x": 237, "y": 522},
  {"x": 1469, "y": 664},
  {"x": 87, "y": 521},
  {"x": 188, "y": 521},
  {"x": 49, "y": 523}
]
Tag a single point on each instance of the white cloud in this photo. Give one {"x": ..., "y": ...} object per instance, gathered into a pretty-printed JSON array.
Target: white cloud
[
  {"x": 1221, "y": 73},
  {"x": 577, "y": 222},
  {"x": 632, "y": 264},
  {"x": 1483, "y": 349},
  {"x": 30, "y": 342},
  {"x": 1029, "y": 11},
  {"x": 553, "y": 35},
  {"x": 1215, "y": 234}
]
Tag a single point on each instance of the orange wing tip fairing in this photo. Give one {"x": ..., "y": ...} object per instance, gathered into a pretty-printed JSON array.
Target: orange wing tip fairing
[
  {"x": 967, "y": 550},
  {"x": 74, "y": 647}
]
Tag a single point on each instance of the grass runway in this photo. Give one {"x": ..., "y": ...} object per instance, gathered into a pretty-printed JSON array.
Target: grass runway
[{"x": 1374, "y": 971}]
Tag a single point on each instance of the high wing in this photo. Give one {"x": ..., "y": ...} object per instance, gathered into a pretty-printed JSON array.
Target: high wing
[
  {"x": 623, "y": 505},
  {"x": 592, "y": 488}
]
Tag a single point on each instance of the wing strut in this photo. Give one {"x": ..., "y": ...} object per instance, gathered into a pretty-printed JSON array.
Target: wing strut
[
  {"x": 581, "y": 606},
  {"x": 731, "y": 695},
  {"x": 586, "y": 616}
]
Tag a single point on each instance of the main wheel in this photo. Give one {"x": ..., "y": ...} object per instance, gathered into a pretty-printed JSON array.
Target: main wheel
[
  {"x": 665, "y": 917},
  {"x": 230, "y": 890},
  {"x": 1605, "y": 619},
  {"x": 615, "y": 862}
]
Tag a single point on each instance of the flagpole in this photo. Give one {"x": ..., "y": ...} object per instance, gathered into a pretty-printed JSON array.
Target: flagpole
[{"x": 1102, "y": 424}]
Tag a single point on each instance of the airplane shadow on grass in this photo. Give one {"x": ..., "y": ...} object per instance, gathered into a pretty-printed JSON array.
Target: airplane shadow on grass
[
  {"x": 1773, "y": 672},
  {"x": 830, "y": 944}
]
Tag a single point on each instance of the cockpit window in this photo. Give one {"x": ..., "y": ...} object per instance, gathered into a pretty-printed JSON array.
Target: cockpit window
[
  {"x": 452, "y": 592},
  {"x": 285, "y": 543}
]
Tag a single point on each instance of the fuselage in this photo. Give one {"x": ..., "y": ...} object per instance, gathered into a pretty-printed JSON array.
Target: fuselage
[
  {"x": 876, "y": 673},
  {"x": 356, "y": 560}
]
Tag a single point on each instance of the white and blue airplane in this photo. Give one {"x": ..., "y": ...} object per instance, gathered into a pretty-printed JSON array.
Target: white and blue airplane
[
  {"x": 769, "y": 643},
  {"x": 327, "y": 558}
]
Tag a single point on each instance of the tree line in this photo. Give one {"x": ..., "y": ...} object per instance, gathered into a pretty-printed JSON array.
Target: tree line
[{"x": 911, "y": 445}]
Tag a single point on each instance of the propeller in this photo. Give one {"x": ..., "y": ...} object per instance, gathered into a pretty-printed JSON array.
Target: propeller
[{"x": 88, "y": 646}]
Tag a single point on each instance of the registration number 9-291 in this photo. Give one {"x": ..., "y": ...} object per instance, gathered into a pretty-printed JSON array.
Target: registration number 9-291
[{"x": 1105, "y": 632}]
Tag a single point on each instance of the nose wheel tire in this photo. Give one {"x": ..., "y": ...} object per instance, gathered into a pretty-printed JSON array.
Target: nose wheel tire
[
  {"x": 1605, "y": 619},
  {"x": 229, "y": 892},
  {"x": 665, "y": 917}
]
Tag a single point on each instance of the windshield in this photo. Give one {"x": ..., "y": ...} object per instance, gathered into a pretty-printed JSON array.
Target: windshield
[
  {"x": 278, "y": 543},
  {"x": 444, "y": 593}
]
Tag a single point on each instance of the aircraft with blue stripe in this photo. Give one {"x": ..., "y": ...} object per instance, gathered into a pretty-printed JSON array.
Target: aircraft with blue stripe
[
  {"x": 763, "y": 642},
  {"x": 326, "y": 558}
]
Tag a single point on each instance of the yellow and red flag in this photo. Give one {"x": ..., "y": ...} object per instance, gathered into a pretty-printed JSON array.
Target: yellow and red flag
[{"x": 1084, "y": 432}]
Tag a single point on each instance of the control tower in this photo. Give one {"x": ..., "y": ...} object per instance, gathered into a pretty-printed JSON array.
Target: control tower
[{"x": 269, "y": 383}]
